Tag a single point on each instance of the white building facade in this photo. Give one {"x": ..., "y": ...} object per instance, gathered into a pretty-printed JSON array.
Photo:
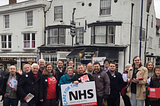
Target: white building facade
[
  {"x": 21, "y": 32},
  {"x": 109, "y": 26}
]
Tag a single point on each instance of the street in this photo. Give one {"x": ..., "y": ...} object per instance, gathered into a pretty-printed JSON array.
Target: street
[{"x": 121, "y": 103}]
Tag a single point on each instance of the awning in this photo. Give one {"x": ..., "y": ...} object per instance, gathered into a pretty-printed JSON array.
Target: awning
[{"x": 74, "y": 53}]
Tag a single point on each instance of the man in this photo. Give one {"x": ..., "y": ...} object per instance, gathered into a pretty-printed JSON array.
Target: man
[
  {"x": 41, "y": 65},
  {"x": 10, "y": 95},
  {"x": 60, "y": 71},
  {"x": 102, "y": 81},
  {"x": 1, "y": 77},
  {"x": 116, "y": 84},
  {"x": 79, "y": 77},
  {"x": 89, "y": 68},
  {"x": 106, "y": 65},
  {"x": 27, "y": 68},
  {"x": 30, "y": 84}
]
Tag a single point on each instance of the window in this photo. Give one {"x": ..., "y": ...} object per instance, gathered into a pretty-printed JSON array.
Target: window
[
  {"x": 150, "y": 42},
  {"x": 152, "y": 22},
  {"x": 6, "y": 41},
  {"x": 79, "y": 35},
  {"x": 58, "y": 12},
  {"x": 100, "y": 34},
  {"x": 29, "y": 18},
  {"x": 143, "y": 35},
  {"x": 50, "y": 58},
  {"x": 111, "y": 34},
  {"x": 6, "y": 20},
  {"x": 56, "y": 36},
  {"x": 105, "y": 7},
  {"x": 29, "y": 40}
]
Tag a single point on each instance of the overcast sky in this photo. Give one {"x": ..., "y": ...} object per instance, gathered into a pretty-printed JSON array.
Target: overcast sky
[{"x": 156, "y": 2}]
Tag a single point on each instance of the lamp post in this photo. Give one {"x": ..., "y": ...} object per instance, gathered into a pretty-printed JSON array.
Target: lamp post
[
  {"x": 141, "y": 28},
  {"x": 73, "y": 26}
]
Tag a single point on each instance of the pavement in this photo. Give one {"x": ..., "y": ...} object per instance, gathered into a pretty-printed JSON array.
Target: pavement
[{"x": 121, "y": 103}]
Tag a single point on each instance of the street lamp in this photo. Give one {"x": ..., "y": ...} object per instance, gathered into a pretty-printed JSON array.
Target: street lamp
[{"x": 73, "y": 26}]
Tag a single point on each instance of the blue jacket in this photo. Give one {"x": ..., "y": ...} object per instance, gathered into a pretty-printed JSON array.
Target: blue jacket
[{"x": 65, "y": 80}]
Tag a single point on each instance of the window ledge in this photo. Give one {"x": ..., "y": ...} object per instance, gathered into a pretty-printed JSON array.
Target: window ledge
[
  {"x": 27, "y": 27},
  {"x": 58, "y": 20},
  {"x": 29, "y": 48},
  {"x": 109, "y": 15},
  {"x": 6, "y": 49},
  {"x": 6, "y": 29}
]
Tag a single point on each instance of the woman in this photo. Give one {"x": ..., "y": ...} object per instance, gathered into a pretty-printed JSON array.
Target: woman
[
  {"x": 124, "y": 96},
  {"x": 137, "y": 77},
  {"x": 155, "y": 83},
  {"x": 150, "y": 68},
  {"x": 48, "y": 86},
  {"x": 66, "y": 79}
]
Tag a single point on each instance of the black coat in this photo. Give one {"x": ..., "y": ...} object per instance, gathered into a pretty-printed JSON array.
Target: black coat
[
  {"x": 28, "y": 84},
  {"x": 58, "y": 77},
  {"x": 4, "y": 83},
  {"x": 116, "y": 84},
  {"x": 43, "y": 87}
]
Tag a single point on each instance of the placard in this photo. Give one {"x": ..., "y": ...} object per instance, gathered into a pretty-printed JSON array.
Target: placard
[
  {"x": 82, "y": 94},
  {"x": 154, "y": 92}
]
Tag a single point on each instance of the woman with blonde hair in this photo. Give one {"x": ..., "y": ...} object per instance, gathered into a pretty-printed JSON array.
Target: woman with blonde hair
[{"x": 48, "y": 86}]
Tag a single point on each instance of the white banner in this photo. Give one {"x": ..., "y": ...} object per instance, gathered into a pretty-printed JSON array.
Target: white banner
[
  {"x": 82, "y": 94},
  {"x": 98, "y": 59}
]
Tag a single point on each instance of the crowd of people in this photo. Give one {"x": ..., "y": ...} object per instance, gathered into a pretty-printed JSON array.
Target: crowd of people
[{"x": 40, "y": 84}]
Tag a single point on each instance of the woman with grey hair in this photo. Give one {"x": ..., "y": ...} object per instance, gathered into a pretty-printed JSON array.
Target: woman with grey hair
[
  {"x": 124, "y": 96},
  {"x": 66, "y": 79}
]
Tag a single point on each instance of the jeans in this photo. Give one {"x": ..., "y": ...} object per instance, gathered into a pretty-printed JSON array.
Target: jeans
[
  {"x": 135, "y": 102},
  {"x": 27, "y": 104},
  {"x": 8, "y": 101}
]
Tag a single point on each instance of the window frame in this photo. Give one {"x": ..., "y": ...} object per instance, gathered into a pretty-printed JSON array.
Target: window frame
[
  {"x": 29, "y": 24},
  {"x": 78, "y": 35},
  {"x": 106, "y": 8},
  {"x": 150, "y": 42},
  {"x": 58, "y": 36},
  {"x": 31, "y": 43},
  {"x": 6, "y": 42},
  {"x": 58, "y": 13},
  {"x": 107, "y": 31},
  {"x": 6, "y": 21}
]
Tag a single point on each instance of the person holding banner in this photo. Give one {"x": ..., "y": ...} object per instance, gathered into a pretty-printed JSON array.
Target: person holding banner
[
  {"x": 155, "y": 83},
  {"x": 102, "y": 83},
  {"x": 137, "y": 77},
  {"x": 29, "y": 87},
  {"x": 9, "y": 87},
  {"x": 48, "y": 86},
  {"x": 67, "y": 79},
  {"x": 81, "y": 76}
]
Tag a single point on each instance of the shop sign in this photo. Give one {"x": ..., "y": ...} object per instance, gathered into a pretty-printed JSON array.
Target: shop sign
[
  {"x": 88, "y": 55},
  {"x": 7, "y": 59},
  {"x": 98, "y": 59},
  {"x": 28, "y": 59}
]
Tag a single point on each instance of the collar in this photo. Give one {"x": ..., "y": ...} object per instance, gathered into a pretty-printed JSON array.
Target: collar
[
  {"x": 41, "y": 69},
  {"x": 82, "y": 73},
  {"x": 12, "y": 75}
]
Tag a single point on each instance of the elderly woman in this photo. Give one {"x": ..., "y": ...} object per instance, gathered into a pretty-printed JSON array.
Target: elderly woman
[{"x": 66, "y": 79}]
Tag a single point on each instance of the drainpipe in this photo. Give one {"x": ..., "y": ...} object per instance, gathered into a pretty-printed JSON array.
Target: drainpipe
[
  {"x": 145, "y": 48},
  {"x": 141, "y": 28},
  {"x": 131, "y": 33}
]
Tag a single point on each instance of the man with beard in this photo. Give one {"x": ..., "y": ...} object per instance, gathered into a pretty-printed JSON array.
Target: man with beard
[
  {"x": 60, "y": 71},
  {"x": 116, "y": 84},
  {"x": 102, "y": 83}
]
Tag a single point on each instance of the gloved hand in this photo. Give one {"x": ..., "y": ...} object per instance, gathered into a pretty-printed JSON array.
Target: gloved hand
[{"x": 105, "y": 97}]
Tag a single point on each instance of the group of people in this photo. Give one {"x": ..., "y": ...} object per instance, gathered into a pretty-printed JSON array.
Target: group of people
[{"x": 40, "y": 84}]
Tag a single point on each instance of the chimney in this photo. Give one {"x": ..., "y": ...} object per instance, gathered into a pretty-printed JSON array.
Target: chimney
[{"x": 12, "y": 1}]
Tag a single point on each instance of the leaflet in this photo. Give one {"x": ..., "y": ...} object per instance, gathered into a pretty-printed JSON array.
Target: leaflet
[{"x": 13, "y": 83}]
